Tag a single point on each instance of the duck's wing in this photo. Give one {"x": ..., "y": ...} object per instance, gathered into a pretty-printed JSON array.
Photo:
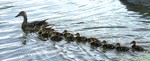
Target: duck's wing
[
  {"x": 35, "y": 26},
  {"x": 38, "y": 23},
  {"x": 139, "y": 48}
]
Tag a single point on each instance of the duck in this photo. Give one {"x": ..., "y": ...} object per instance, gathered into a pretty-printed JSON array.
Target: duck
[
  {"x": 45, "y": 35},
  {"x": 66, "y": 33},
  {"x": 136, "y": 47},
  {"x": 80, "y": 38},
  {"x": 91, "y": 39},
  {"x": 56, "y": 37},
  {"x": 95, "y": 42},
  {"x": 56, "y": 33},
  {"x": 44, "y": 29},
  {"x": 121, "y": 48},
  {"x": 33, "y": 26},
  {"x": 106, "y": 46},
  {"x": 45, "y": 32},
  {"x": 41, "y": 30},
  {"x": 70, "y": 38}
]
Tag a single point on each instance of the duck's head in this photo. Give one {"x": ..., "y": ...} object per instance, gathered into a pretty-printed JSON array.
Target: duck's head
[
  {"x": 22, "y": 13},
  {"x": 104, "y": 42},
  {"x": 117, "y": 45},
  {"x": 133, "y": 42},
  {"x": 65, "y": 31},
  {"x": 77, "y": 34}
]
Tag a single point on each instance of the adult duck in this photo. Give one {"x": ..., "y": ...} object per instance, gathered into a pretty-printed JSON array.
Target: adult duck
[
  {"x": 136, "y": 47},
  {"x": 33, "y": 26}
]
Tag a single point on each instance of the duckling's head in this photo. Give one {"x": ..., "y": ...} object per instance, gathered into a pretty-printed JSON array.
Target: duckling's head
[
  {"x": 104, "y": 42},
  {"x": 133, "y": 42},
  {"x": 77, "y": 34},
  {"x": 117, "y": 45},
  {"x": 22, "y": 13},
  {"x": 65, "y": 31}
]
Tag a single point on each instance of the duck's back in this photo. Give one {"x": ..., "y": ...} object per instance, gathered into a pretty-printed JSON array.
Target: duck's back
[
  {"x": 122, "y": 48},
  {"x": 137, "y": 48},
  {"x": 108, "y": 46},
  {"x": 34, "y": 26},
  {"x": 39, "y": 23}
]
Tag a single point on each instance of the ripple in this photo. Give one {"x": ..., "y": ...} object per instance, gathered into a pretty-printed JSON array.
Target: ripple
[
  {"x": 107, "y": 19},
  {"x": 3, "y": 22},
  {"x": 106, "y": 27},
  {"x": 145, "y": 21},
  {"x": 6, "y": 7},
  {"x": 79, "y": 23},
  {"x": 141, "y": 29}
]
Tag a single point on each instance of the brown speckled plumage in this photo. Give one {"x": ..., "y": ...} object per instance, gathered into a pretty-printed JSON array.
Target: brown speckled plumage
[{"x": 33, "y": 26}]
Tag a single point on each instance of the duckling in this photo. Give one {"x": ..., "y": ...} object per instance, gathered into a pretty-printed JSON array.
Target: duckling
[
  {"x": 56, "y": 33},
  {"x": 45, "y": 29},
  {"x": 95, "y": 42},
  {"x": 66, "y": 33},
  {"x": 49, "y": 29},
  {"x": 80, "y": 38},
  {"x": 55, "y": 37},
  {"x": 136, "y": 47},
  {"x": 121, "y": 48},
  {"x": 91, "y": 39},
  {"x": 45, "y": 35},
  {"x": 45, "y": 32},
  {"x": 70, "y": 38},
  {"x": 33, "y": 26},
  {"x": 106, "y": 46},
  {"x": 42, "y": 29}
]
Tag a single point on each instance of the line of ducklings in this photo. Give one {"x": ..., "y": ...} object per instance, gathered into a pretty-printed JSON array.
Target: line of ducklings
[{"x": 57, "y": 36}]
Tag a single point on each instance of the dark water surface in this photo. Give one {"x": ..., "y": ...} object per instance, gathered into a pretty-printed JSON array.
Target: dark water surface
[{"x": 104, "y": 19}]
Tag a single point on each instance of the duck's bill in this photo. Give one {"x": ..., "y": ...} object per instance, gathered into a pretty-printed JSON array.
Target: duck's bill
[{"x": 17, "y": 15}]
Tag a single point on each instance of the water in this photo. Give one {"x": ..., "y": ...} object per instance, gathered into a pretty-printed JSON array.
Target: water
[{"x": 104, "y": 19}]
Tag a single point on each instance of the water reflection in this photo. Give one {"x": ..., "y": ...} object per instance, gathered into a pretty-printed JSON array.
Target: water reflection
[{"x": 144, "y": 11}]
